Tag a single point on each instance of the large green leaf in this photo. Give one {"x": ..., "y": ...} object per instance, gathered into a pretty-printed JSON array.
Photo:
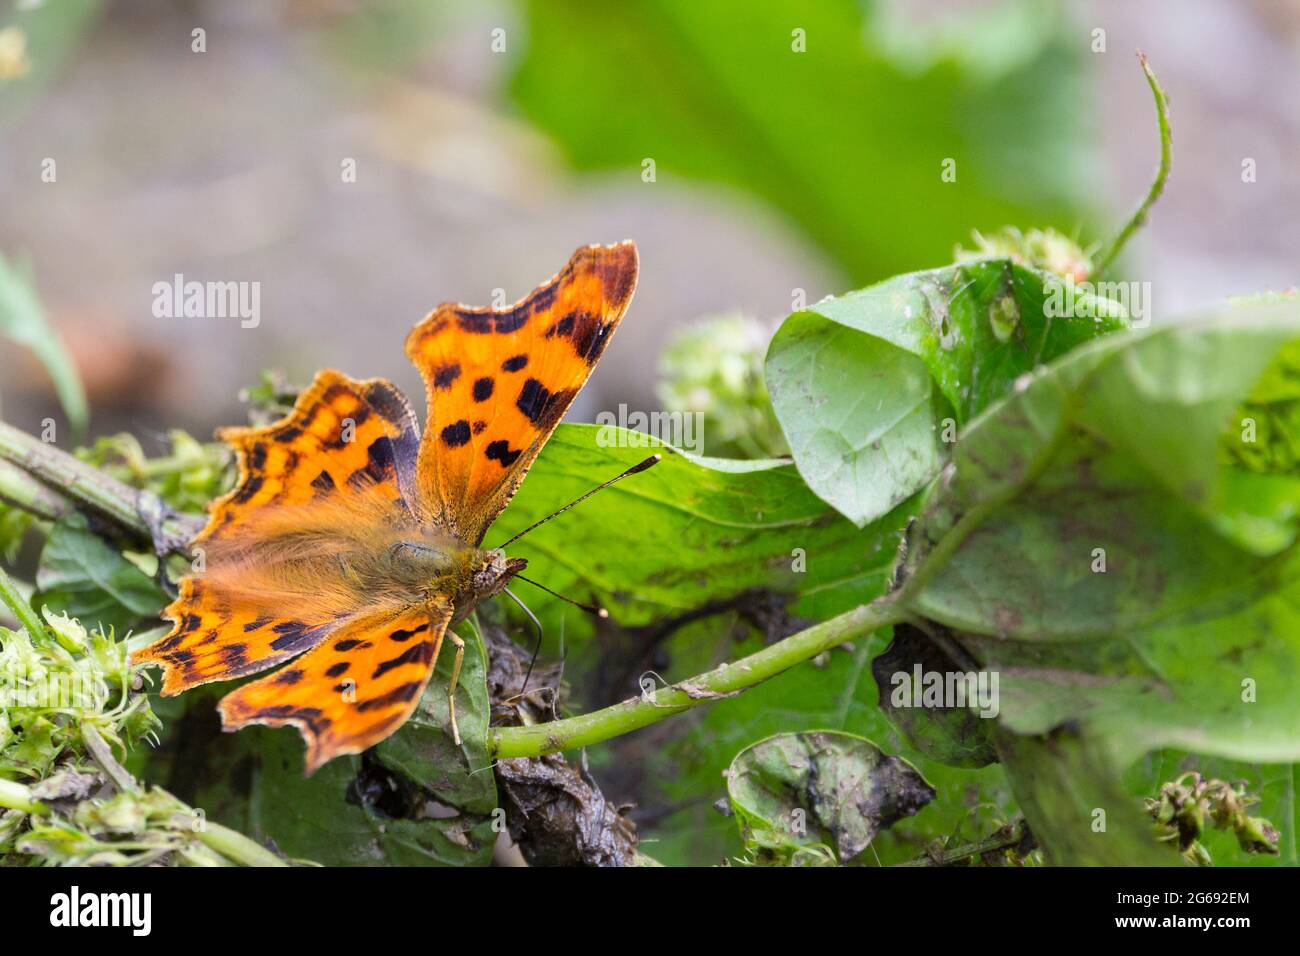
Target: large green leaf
[
  {"x": 847, "y": 138},
  {"x": 684, "y": 533},
  {"x": 82, "y": 575},
  {"x": 871, "y": 387},
  {"x": 1102, "y": 563},
  {"x": 1069, "y": 790}
]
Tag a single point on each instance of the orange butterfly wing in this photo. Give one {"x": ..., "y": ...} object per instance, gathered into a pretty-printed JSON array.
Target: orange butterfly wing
[
  {"x": 353, "y": 690},
  {"x": 498, "y": 381},
  {"x": 346, "y": 449}
]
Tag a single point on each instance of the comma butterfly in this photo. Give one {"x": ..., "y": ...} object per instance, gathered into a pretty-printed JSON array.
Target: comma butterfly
[{"x": 354, "y": 541}]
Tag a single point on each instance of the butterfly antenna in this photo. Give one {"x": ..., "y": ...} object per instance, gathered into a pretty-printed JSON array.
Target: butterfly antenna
[
  {"x": 600, "y": 612},
  {"x": 640, "y": 466},
  {"x": 537, "y": 645}
]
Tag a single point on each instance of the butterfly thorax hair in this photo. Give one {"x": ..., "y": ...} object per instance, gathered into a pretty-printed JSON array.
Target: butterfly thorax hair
[{"x": 449, "y": 566}]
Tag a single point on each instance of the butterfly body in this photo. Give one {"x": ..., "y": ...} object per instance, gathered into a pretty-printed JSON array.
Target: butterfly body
[
  {"x": 352, "y": 541},
  {"x": 442, "y": 567}
]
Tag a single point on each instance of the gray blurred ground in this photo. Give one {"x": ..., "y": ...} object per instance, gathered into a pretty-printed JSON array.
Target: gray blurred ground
[{"x": 226, "y": 166}]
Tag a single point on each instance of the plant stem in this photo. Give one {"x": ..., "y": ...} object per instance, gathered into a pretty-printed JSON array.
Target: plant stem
[
  {"x": 107, "y": 496},
  {"x": 14, "y": 796},
  {"x": 22, "y": 609},
  {"x": 1139, "y": 217},
  {"x": 998, "y": 841},
  {"x": 23, "y": 491},
  {"x": 732, "y": 678},
  {"x": 103, "y": 755},
  {"x": 237, "y": 847}
]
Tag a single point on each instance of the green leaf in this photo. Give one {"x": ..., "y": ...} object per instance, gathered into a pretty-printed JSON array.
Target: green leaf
[
  {"x": 415, "y": 800},
  {"x": 798, "y": 792},
  {"x": 83, "y": 576},
  {"x": 1070, "y": 792},
  {"x": 1086, "y": 545},
  {"x": 870, "y": 387},
  {"x": 950, "y": 732},
  {"x": 684, "y": 533},
  {"x": 847, "y": 138},
  {"x": 23, "y": 320}
]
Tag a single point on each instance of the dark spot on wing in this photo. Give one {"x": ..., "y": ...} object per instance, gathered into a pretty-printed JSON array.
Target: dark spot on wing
[
  {"x": 532, "y": 400},
  {"x": 348, "y": 643},
  {"x": 444, "y": 375},
  {"x": 249, "y": 488},
  {"x": 296, "y": 636},
  {"x": 380, "y": 465},
  {"x": 456, "y": 434},
  {"x": 420, "y": 653},
  {"x": 169, "y": 643},
  {"x": 401, "y": 635},
  {"x": 564, "y": 327},
  {"x": 398, "y": 695},
  {"x": 500, "y": 451},
  {"x": 257, "y": 457}
]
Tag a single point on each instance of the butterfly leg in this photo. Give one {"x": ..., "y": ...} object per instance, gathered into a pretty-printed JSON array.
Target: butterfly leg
[{"x": 451, "y": 687}]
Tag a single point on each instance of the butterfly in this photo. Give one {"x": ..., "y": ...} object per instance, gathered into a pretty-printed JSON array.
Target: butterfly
[{"x": 351, "y": 543}]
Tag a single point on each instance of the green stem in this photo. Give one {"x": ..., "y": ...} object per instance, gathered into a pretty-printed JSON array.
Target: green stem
[
  {"x": 21, "y": 490},
  {"x": 998, "y": 841},
  {"x": 1139, "y": 217},
  {"x": 14, "y": 796},
  {"x": 103, "y": 755},
  {"x": 91, "y": 487},
  {"x": 732, "y": 678},
  {"x": 237, "y": 847},
  {"x": 22, "y": 609}
]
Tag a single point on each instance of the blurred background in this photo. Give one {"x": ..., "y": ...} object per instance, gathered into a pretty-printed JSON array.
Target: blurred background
[{"x": 756, "y": 151}]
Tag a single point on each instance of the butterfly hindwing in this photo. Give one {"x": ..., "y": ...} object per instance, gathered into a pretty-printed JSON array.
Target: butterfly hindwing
[
  {"x": 354, "y": 689},
  {"x": 498, "y": 381}
]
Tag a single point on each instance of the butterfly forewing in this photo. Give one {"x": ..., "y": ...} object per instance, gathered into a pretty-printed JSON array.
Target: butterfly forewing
[{"x": 499, "y": 381}]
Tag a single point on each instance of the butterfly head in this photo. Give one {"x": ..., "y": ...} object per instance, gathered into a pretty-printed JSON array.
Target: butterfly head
[{"x": 492, "y": 572}]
